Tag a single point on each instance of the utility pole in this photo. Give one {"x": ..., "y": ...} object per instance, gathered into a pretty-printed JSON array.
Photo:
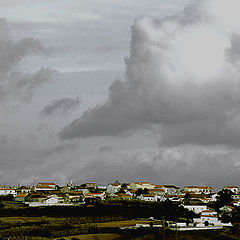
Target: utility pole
[
  {"x": 163, "y": 226},
  {"x": 176, "y": 228}
]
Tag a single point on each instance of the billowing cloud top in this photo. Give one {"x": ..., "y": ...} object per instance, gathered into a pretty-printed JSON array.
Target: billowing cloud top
[{"x": 182, "y": 74}]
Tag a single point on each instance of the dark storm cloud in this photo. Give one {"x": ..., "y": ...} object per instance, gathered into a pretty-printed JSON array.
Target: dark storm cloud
[
  {"x": 12, "y": 80},
  {"x": 182, "y": 75},
  {"x": 181, "y": 166},
  {"x": 62, "y": 106},
  {"x": 56, "y": 150}
]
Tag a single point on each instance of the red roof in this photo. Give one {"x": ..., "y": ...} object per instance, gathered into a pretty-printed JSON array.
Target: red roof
[
  {"x": 156, "y": 190},
  {"x": 46, "y": 183},
  {"x": 123, "y": 194},
  {"x": 75, "y": 193},
  {"x": 213, "y": 216},
  {"x": 44, "y": 186},
  {"x": 7, "y": 189},
  {"x": 201, "y": 187},
  {"x": 141, "y": 183},
  {"x": 22, "y": 195},
  {"x": 147, "y": 195}
]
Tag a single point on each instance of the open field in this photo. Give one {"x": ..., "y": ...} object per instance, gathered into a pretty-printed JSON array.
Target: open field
[
  {"x": 104, "y": 236},
  {"x": 20, "y": 219},
  {"x": 125, "y": 223},
  {"x": 82, "y": 228},
  {"x": 58, "y": 227}
]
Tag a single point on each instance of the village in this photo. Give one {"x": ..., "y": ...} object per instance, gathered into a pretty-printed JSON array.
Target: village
[{"x": 194, "y": 198}]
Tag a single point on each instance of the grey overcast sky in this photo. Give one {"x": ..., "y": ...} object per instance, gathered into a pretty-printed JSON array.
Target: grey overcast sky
[{"x": 103, "y": 90}]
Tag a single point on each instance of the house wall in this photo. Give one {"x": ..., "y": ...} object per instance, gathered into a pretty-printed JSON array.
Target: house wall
[
  {"x": 113, "y": 189},
  {"x": 136, "y": 186},
  {"x": 52, "y": 200},
  {"x": 234, "y": 190},
  {"x": 196, "y": 208},
  {"x": 7, "y": 191},
  {"x": 20, "y": 199}
]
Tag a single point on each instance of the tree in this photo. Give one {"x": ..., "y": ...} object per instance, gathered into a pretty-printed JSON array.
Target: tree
[
  {"x": 224, "y": 198},
  {"x": 187, "y": 198},
  {"x": 142, "y": 191},
  {"x": 124, "y": 185},
  {"x": 121, "y": 190},
  {"x": 235, "y": 218}
]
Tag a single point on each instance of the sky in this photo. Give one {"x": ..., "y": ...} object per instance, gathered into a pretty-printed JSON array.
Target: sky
[{"x": 130, "y": 90}]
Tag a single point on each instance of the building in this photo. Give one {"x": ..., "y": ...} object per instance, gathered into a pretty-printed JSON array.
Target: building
[
  {"x": 21, "y": 197},
  {"x": 23, "y": 189},
  {"x": 207, "y": 218},
  {"x": 147, "y": 197},
  {"x": 141, "y": 185},
  {"x": 50, "y": 184},
  {"x": 234, "y": 189},
  {"x": 171, "y": 189},
  {"x": 113, "y": 187},
  {"x": 101, "y": 196},
  {"x": 198, "y": 189},
  {"x": 159, "y": 193},
  {"x": 91, "y": 185},
  {"x": 45, "y": 186},
  {"x": 121, "y": 196},
  {"x": 8, "y": 191},
  {"x": 196, "y": 208}
]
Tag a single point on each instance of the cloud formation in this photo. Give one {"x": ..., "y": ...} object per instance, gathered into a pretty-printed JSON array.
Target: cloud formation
[
  {"x": 185, "y": 165},
  {"x": 13, "y": 82},
  {"x": 182, "y": 75},
  {"x": 61, "y": 106}
]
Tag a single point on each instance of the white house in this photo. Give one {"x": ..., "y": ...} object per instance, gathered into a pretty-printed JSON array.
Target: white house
[
  {"x": 74, "y": 195},
  {"x": 91, "y": 185},
  {"x": 196, "y": 208},
  {"x": 45, "y": 186},
  {"x": 141, "y": 185},
  {"x": 236, "y": 196},
  {"x": 214, "y": 197},
  {"x": 236, "y": 203},
  {"x": 207, "y": 218},
  {"x": 226, "y": 208},
  {"x": 50, "y": 184},
  {"x": 51, "y": 200},
  {"x": 234, "y": 189},
  {"x": 198, "y": 189},
  {"x": 159, "y": 193},
  {"x": 113, "y": 187},
  {"x": 101, "y": 196},
  {"x": 171, "y": 189},
  {"x": 7, "y": 191},
  {"x": 23, "y": 189},
  {"x": 147, "y": 197}
]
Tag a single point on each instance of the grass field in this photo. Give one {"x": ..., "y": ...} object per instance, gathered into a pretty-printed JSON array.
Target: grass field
[
  {"x": 20, "y": 219},
  {"x": 104, "y": 236},
  {"x": 68, "y": 228},
  {"x": 125, "y": 223},
  {"x": 60, "y": 227}
]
